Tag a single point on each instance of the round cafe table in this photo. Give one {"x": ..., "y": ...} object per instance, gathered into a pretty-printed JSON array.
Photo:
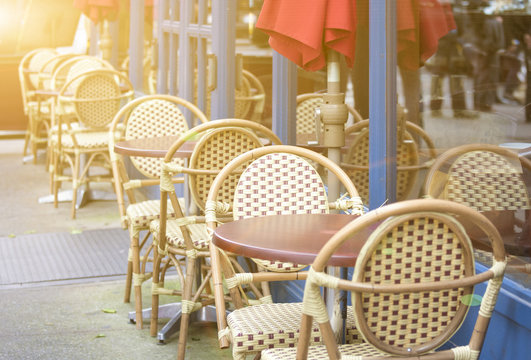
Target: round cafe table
[{"x": 290, "y": 238}]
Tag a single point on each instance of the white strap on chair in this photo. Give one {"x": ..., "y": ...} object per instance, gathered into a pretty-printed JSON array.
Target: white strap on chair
[
  {"x": 215, "y": 207},
  {"x": 312, "y": 303},
  {"x": 224, "y": 332},
  {"x": 489, "y": 299},
  {"x": 168, "y": 170}
]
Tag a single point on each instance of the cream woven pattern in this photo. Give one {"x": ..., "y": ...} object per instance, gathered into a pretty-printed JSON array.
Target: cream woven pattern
[
  {"x": 358, "y": 154},
  {"x": 279, "y": 184},
  {"x": 86, "y": 140},
  {"x": 154, "y": 118},
  {"x": 142, "y": 213},
  {"x": 403, "y": 252},
  {"x": 35, "y": 64},
  {"x": 97, "y": 100},
  {"x": 174, "y": 237},
  {"x": 306, "y": 115},
  {"x": 485, "y": 181},
  {"x": 81, "y": 66},
  {"x": 213, "y": 152},
  {"x": 259, "y": 327},
  {"x": 318, "y": 352}
]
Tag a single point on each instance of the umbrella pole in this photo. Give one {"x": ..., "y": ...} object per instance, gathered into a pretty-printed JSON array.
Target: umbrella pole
[{"x": 334, "y": 116}]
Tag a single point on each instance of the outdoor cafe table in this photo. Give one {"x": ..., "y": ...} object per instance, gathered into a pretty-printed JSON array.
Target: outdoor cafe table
[{"x": 296, "y": 238}]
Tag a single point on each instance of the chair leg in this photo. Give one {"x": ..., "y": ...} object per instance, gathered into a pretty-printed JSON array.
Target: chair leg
[
  {"x": 157, "y": 258},
  {"x": 137, "y": 282},
  {"x": 187, "y": 306},
  {"x": 75, "y": 184},
  {"x": 129, "y": 277}
]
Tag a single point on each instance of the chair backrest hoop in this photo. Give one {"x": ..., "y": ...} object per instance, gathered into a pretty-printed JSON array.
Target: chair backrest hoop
[
  {"x": 213, "y": 151},
  {"x": 154, "y": 116},
  {"x": 413, "y": 248}
]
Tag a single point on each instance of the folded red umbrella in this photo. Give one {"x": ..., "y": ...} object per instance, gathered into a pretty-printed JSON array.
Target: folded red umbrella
[
  {"x": 420, "y": 25},
  {"x": 97, "y": 10},
  {"x": 303, "y": 30}
]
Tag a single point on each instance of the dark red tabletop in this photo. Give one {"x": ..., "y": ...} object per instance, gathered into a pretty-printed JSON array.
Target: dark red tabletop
[
  {"x": 153, "y": 147},
  {"x": 290, "y": 238}
]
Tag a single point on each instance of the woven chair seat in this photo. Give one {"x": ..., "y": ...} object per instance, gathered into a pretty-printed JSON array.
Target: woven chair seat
[
  {"x": 174, "y": 236},
  {"x": 143, "y": 213},
  {"x": 279, "y": 266},
  {"x": 44, "y": 108},
  {"x": 89, "y": 140},
  {"x": 259, "y": 327},
  {"x": 318, "y": 352}
]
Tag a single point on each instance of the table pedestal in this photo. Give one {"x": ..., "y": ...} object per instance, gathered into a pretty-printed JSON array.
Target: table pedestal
[{"x": 173, "y": 311}]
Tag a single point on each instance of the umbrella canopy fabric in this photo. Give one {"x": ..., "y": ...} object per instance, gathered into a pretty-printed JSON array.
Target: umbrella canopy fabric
[
  {"x": 303, "y": 30},
  {"x": 420, "y": 25},
  {"x": 97, "y": 10}
]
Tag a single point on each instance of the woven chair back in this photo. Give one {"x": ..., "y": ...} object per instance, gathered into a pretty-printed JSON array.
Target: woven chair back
[
  {"x": 36, "y": 63},
  {"x": 241, "y": 104},
  {"x": 306, "y": 106},
  {"x": 49, "y": 68},
  {"x": 98, "y": 97},
  {"x": 410, "y": 249},
  {"x": 486, "y": 181},
  {"x": 407, "y": 154},
  {"x": 83, "y": 65},
  {"x": 306, "y": 115},
  {"x": 213, "y": 151},
  {"x": 151, "y": 118},
  {"x": 277, "y": 184}
]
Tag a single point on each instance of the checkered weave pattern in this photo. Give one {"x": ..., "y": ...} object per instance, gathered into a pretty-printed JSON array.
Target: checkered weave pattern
[
  {"x": 242, "y": 102},
  {"x": 82, "y": 66},
  {"x": 412, "y": 249},
  {"x": 279, "y": 184},
  {"x": 264, "y": 326},
  {"x": 318, "y": 352},
  {"x": 153, "y": 118},
  {"x": 142, "y": 213},
  {"x": 358, "y": 154},
  {"x": 486, "y": 181},
  {"x": 213, "y": 152},
  {"x": 85, "y": 140},
  {"x": 306, "y": 115},
  {"x": 174, "y": 235},
  {"x": 97, "y": 100},
  {"x": 35, "y": 64}
]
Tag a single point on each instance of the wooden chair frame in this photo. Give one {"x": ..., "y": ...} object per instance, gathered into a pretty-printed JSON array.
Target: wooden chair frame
[
  {"x": 219, "y": 263},
  {"x": 128, "y": 124},
  {"x": 191, "y": 228},
  {"x": 314, "y": 305}
]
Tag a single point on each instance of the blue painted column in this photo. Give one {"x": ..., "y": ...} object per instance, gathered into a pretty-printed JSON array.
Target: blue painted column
[
  {"x": 284, "y": 99},
  {"x": 382, "y": 102}
]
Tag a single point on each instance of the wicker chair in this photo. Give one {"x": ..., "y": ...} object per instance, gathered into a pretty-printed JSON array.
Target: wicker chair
[
  {"x": 306, "y": 106},
  {"x": 267, "y": 187},
  {"x": 411, "y": 157},
  {"x": 28, "y": 72},
  {"x": 219, "y": 142},
  {"x": 97, "y": 97},
  {"x": 412, "y": 286},
  {"x": 63, "y": 72},
  {"x": 487, "y": 178},
  {"x": 249, "y": 98},
  {"x": 147, "y": 116}
]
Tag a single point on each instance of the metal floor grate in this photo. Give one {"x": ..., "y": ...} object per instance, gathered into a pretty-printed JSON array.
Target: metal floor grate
[{"x": 38, "y": 258}]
